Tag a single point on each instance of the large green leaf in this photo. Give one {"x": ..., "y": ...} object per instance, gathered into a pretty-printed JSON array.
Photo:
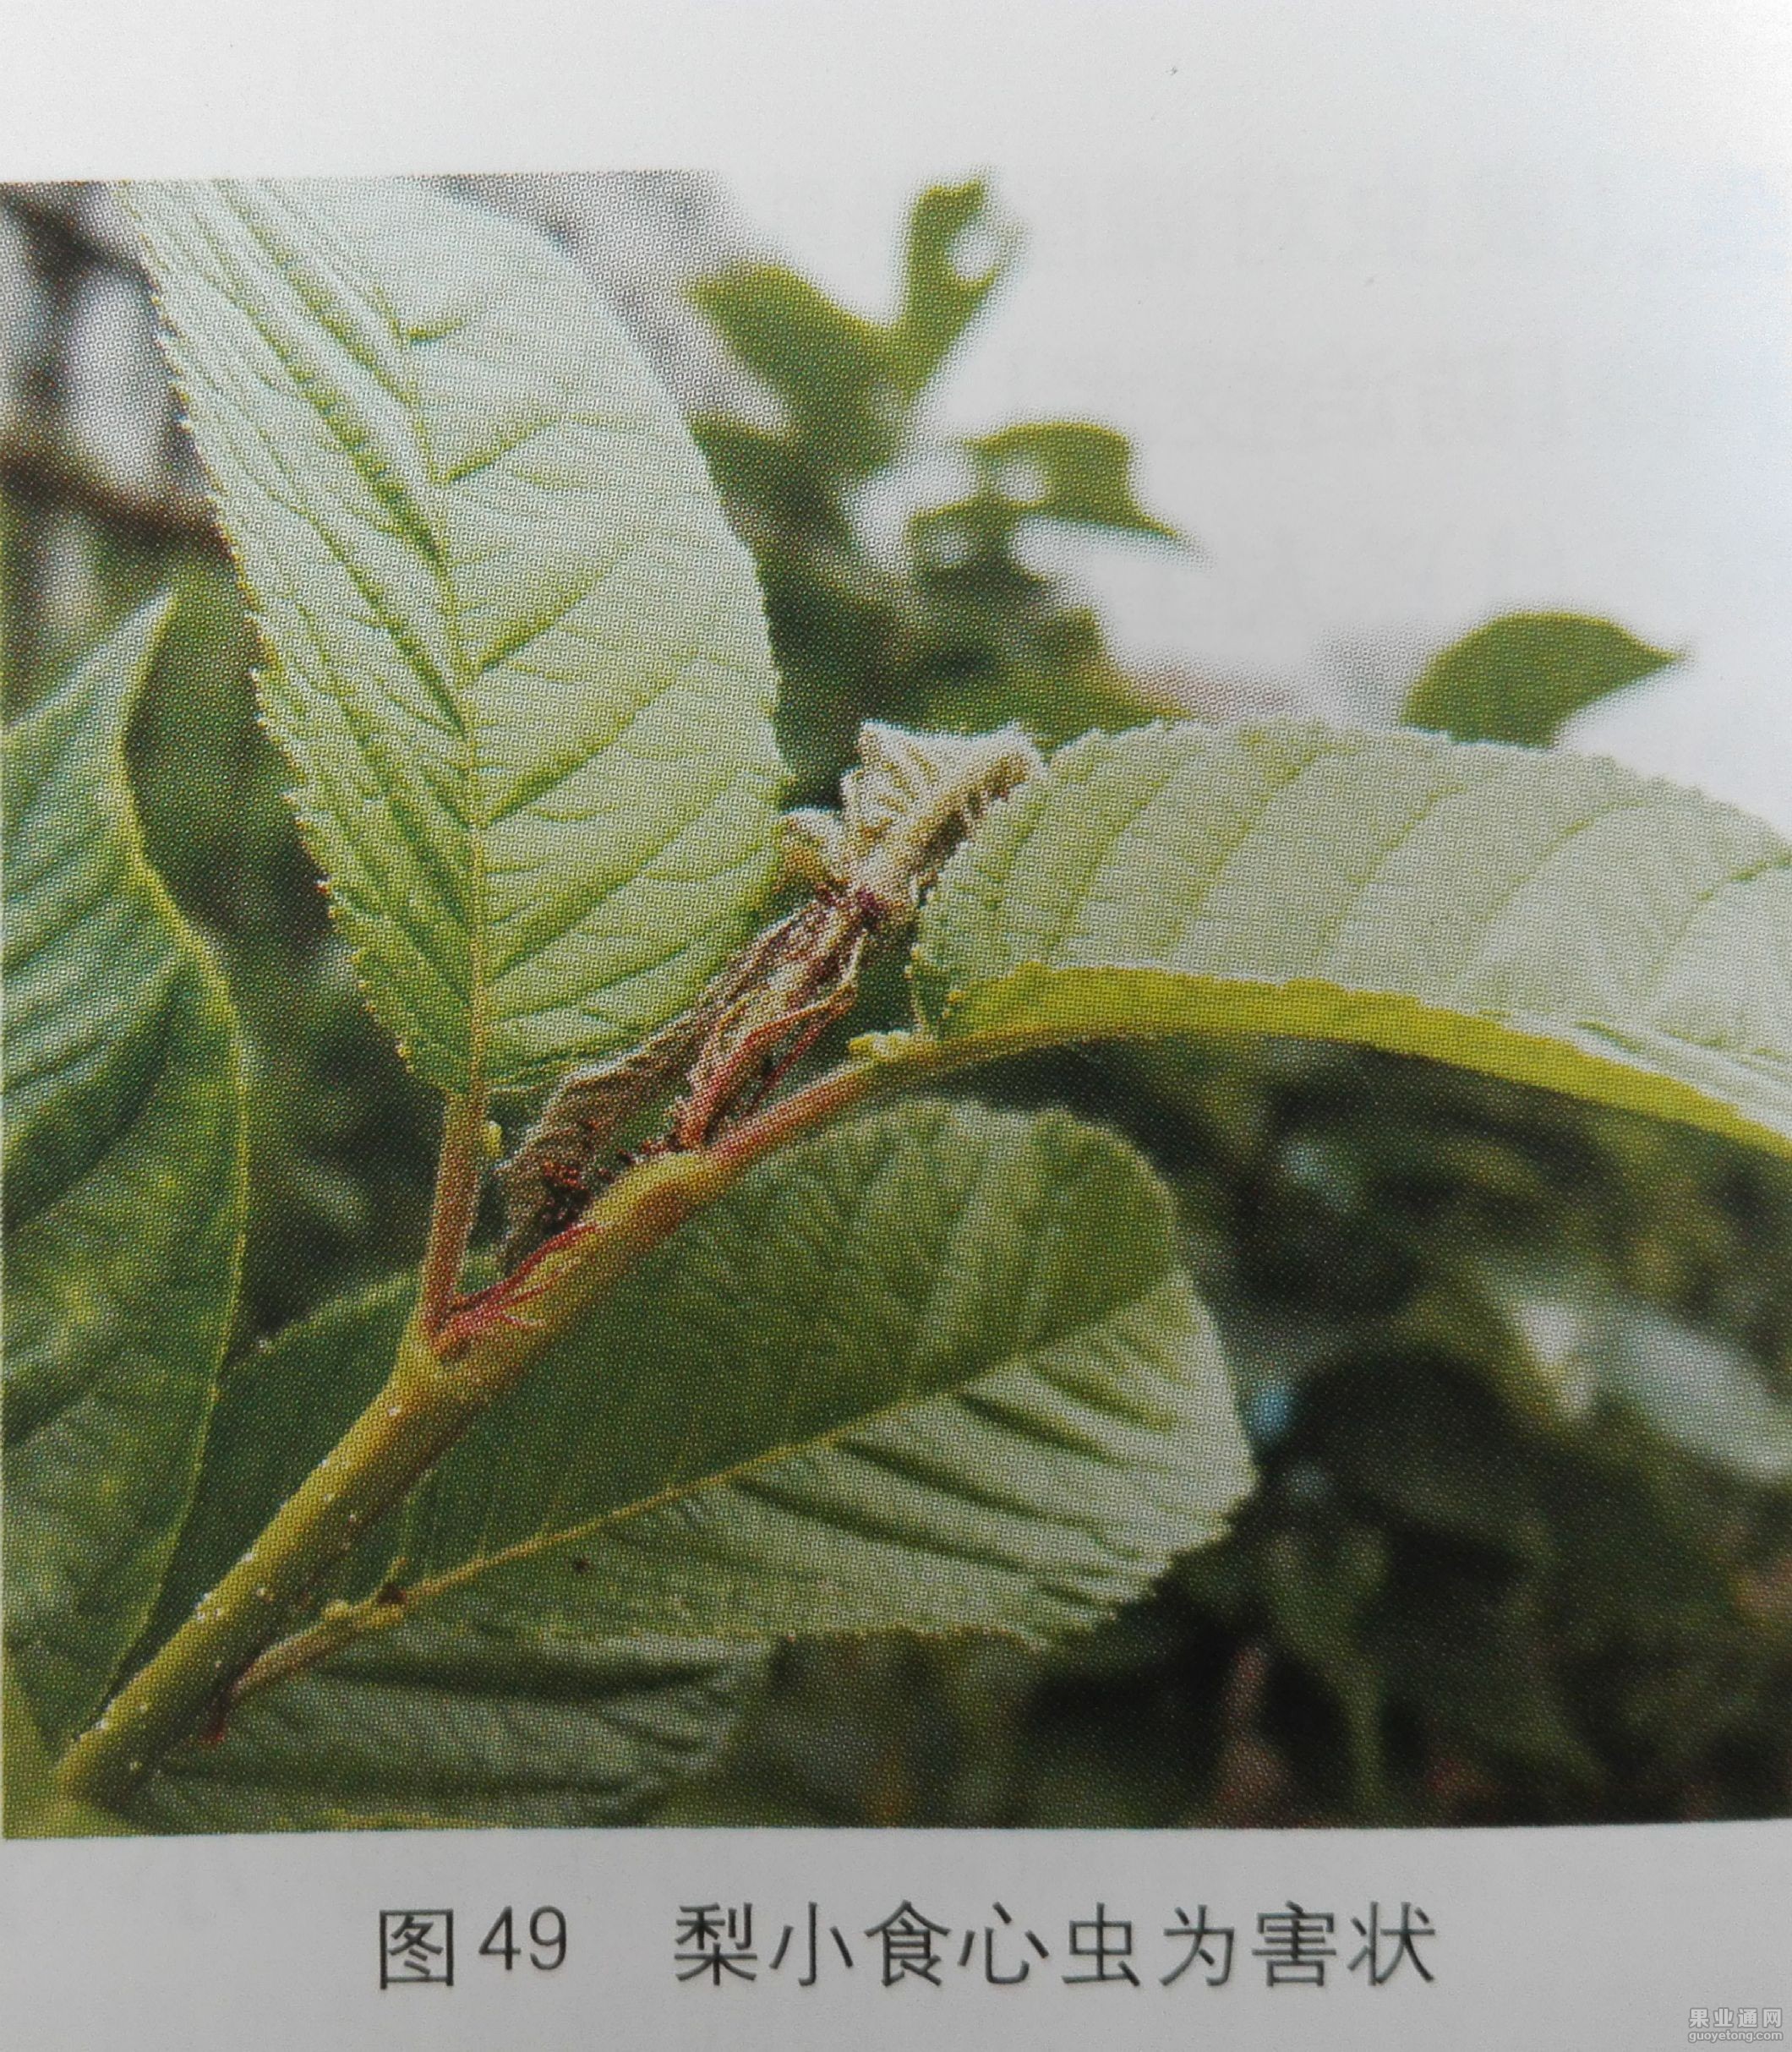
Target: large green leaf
[
  {"x": 124, "y": 1195},
  {"x": 519, "y": 661},
  {"x": 1520, "y": 677},
  {"x": 939, "y": 1368},
  {"x": 1552, "y": 919}
]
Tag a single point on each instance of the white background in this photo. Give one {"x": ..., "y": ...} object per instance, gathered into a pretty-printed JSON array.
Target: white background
[
  {"x": 1418, "y": 312},
  {"x": 1546, "y": 1941}
]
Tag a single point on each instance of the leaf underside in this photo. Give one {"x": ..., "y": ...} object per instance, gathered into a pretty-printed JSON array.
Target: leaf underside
[
  {"x": 124, "y": 1196},
  {"x": 1552, "y": 919},
  {"x": 437, "y": 1724},
  {"x": 519, "y": 661},
  {"x": 31, "y": 1805},
  {"x": 937, "y": 1369},
  {"x": 431, "y": 1724}
]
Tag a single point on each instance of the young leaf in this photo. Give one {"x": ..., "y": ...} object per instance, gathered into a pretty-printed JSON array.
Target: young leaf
[
  {"x": 1552, "y": 919},
  {"x": 1520, "y": 678},
  {"x": 847, "y": 385},
  {"x": 937, "y": 1369},
  {"x": 1059, "y": 470},
  {"x": 519, "y": 661},
  {"x": 830, "y": 368},
  {"x": 124, "y": 1195}
]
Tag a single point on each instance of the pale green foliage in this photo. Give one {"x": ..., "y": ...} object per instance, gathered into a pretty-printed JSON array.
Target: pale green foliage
[
  {"x": 519, "y": 661},
  {"x": 124, "y": 1196},
  {"x": 1548, "y": 919}
]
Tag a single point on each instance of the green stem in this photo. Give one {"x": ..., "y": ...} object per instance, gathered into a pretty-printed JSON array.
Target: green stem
[
  {"x": 456, "y": 1205},
  {"x": 449, "y": 1369},
  {"x": 417, "y": 1415}
]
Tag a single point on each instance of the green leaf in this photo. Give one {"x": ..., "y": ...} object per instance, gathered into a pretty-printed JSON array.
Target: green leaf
[
  {"x": 942, "y": 294},
  {"x": 280, "y": 1410},
  {"x": 1479, "y": 1663},
  {"x": 520, "y": 662},
  {"x": 442, "y": 1723},
  {"x": 936, "y": 1369},
  {"x": 436, "y": 1724},
  {"x": 1318, "y": 1586},
  {"x": 31, "y": 1805},
  {"x": 847, "y": 385},
  {"x": 829, "y": 368},
  {"x": 1061, "y": 470},
  {"x": 124, "y": 1195},
  {"x": 1521, "y": 677},
  {"x": 1555, "y": 920},
  {"x": 1533, "y": 1563},
  {"x": 1068, "y": 470}
]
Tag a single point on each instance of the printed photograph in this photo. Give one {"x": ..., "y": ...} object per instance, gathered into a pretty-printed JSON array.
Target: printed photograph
[{"x": 747, "y": 1082}]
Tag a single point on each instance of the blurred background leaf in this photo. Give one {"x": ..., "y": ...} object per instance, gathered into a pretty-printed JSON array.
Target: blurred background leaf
[
  {"x": 949, "y": 626},
  {"x": 1521, "y": 678}
]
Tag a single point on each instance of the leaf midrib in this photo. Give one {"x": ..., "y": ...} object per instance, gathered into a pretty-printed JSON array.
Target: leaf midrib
[{"x": 1634, "y": 1056}]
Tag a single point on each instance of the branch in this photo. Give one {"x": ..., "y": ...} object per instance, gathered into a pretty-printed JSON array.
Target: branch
[
  {"x": 40, "y": 476},
  {"x": 904, "y": 810},
  {"x": 53, "y": 225}
]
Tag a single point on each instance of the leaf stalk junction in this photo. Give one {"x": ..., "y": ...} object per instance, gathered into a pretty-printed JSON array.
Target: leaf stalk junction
[{"x": 581, "y": 1213}]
